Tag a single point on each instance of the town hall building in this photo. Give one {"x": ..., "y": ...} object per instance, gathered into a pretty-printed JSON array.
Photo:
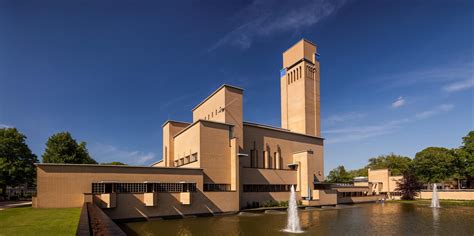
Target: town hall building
[{"x": 216, "y": 163}]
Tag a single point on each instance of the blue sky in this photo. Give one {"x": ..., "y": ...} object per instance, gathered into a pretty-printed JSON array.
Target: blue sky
[{"x": 396, "y": 76}]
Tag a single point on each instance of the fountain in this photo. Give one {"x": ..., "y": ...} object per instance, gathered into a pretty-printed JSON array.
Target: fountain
[
  {"x": 293, "y": 225},
  {"x": 434, "y": 197}
]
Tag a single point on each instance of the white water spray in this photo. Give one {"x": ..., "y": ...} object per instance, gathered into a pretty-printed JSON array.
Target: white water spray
[
  {"x": 293, "y": 225},
  {"x": 434, "y": 197}
]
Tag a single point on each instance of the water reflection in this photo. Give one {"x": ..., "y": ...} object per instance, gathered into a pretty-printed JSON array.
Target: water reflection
[{"x": 365, "y": 219}]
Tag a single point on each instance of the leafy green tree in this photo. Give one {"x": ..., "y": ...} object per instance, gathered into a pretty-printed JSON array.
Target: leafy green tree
[
  {"x": 62, "y": 148},
  {"x": 116, "y": 163},
  {"x": 434, "y": 164},
  {"x": 16, "y": 159},
  {"x": 409, "y": 185},
  {"x": 396, "y": 163},
  {"x": 359, "y": 172},
  {"x": 339, "y": 175},
  {"x": 464, "y": 165}
]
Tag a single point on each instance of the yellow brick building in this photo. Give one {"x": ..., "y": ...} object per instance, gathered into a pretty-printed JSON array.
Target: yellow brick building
[{"x": 216, "y": 163}]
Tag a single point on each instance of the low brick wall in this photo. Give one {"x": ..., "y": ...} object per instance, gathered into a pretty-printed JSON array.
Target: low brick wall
[
  {"x": 451, "y": 194},
  {"x": 93, "y": 221},
  {"x": 83, "y": 228},
  {"x": 360, "y": 199}
]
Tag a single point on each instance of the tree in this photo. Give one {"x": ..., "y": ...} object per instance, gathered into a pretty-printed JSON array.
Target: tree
[
  {"x": 359, "y": 172},
  {"x": 434, "y": 164},
  {"x": 464, "y": 156},
  {"x": 116, "y": 163},
  {"x": 62, "y": 148},
  {"x": 16, "y": 159},
  {"x": 395, "y": 163},
  {"x": 339, "y": 175},
  {"x": 409, "y": 185}
]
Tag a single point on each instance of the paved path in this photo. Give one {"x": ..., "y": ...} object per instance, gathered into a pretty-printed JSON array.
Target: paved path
[{"x": 11, "y": 204}]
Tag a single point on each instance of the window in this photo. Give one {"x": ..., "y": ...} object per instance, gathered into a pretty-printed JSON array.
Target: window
[
  {"x": 268, "y": 187},
  {"x": 186, "y": 160},
  {"x": 265, "y": 160},
  {"x": 98, "y": 188},
  {"x": 194, "y": 157},
  {"x": 217, "y": 187},
  {"x": 252, "y": 159},
  {"x": 130, "y": 187},
  {"x": 176, "y": 163},
  {"x": 181, "y": 161}
]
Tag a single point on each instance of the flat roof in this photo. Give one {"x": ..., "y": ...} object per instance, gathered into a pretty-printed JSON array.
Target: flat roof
[
  {"x": 114, "y": 166},
  {"x": 278, "y": 129},
  {"x": 175, "y": 121},
  {"x": 154, "y": 163},
  {"x": 303, "y": 39},
  {"x": 217, "y": 90},
  {"x": 208, "y": 121}
]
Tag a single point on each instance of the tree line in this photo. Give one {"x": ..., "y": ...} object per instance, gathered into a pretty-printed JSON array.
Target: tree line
[
  {"x": 17, "y": 160},
  {"x": 430, "y": 165}
]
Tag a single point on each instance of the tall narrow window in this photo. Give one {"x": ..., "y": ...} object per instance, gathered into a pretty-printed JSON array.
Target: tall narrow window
[
  {"x": 252, "y": 157},
  {"x": 256, "y": 158}
]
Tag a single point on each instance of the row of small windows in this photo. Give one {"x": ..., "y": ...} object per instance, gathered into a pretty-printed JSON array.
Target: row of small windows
[
  {"x": 352, "y": 194},
  {"x": 310, "y": 72},
  {"x": 267, "y": 187},
  {"x": 142, "y": 187},
  {"x": 294, "y": 75},
  {"x": 217, "y": 187},
  {"x": 273, "y": 162},
  {"x": 186, "y": 160},
  {"x": 209, "y": 116}
]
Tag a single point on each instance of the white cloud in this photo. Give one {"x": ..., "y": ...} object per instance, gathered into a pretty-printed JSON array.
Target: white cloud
[
  {"x": 338, "y": 118},
  {"x": 267, "y": 17},
  {"x": 363, "y": 132},
  {"x": 459, "y": 86},
  {"x": 399, "y": 102},
  {"x": 108, "y": 153},
  {"x": 458, "y": 73},
  {"x": 5, "y": 126}
]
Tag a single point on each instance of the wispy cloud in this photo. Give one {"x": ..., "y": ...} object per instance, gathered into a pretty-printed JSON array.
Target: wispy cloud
[
  {"x": 108, "y": 153},
  {"x": 267, "y": 17},
  {"x": 399, "y": 102},
  {"x": 338, "y": 118},
  {"x": 5, "y": 126},
  {"x": 440, "y": 74},
  {"x": 358, "y": 133},
  {"x": 459, "y": 86}
]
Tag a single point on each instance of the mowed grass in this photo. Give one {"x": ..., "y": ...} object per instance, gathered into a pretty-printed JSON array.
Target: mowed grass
[
  {"x": 468, "y": 203},
  {"x": 32, "y": 221}
]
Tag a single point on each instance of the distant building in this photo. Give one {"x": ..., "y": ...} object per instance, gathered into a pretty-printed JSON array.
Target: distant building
[{"x": 380, "y": 182}]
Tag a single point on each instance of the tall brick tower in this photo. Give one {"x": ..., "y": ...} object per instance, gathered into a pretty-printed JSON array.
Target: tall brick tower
[{"x": 300, "y": 89}]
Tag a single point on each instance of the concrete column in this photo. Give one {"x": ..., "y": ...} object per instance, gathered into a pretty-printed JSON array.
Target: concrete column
[
  {"x": 234, "y": 164},
  {"x": 266, "y": 160},
  {"x": 277, "y": 163}
]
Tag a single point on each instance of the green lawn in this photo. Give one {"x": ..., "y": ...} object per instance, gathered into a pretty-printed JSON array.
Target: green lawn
[
  {"x": 32, "y": 221},
  {"x": 442, "y": 202}
]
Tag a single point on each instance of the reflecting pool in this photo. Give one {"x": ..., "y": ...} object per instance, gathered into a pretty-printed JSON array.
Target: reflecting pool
[{"x": 363, "y": 219}]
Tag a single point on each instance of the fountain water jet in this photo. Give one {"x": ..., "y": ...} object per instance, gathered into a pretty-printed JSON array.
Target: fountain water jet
[
  {"x": 293, "y": 225},
  {"x": 434, "y": 197}
]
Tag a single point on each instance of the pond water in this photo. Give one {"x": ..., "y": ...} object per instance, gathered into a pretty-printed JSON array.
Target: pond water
[{"x": 363, "y": 219}]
